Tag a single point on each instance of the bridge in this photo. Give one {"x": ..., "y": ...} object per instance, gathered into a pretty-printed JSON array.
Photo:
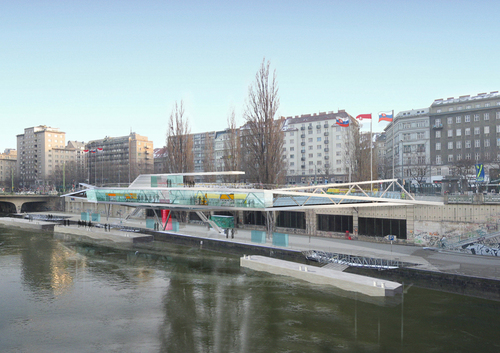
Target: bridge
[{"x": 19, "y": 202}]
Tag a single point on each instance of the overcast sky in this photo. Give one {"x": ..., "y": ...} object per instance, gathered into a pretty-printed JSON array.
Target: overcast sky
[{"x": 105, "y": 68}]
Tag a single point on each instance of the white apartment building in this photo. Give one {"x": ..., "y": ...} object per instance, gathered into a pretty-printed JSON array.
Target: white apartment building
[
  {"x": 314, "y": 147},
  {"x": 409, "y": 133}
]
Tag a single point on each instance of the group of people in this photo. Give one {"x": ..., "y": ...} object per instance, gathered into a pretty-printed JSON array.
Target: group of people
[{"x": 88, "y": 225}]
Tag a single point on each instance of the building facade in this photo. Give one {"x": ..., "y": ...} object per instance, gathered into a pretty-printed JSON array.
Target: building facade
[
  {"x": 465, "y": 131},
  {"x": 118, "y": 160},
  {"x": 8, "y": 161},
  {"x": 41, "y": 152},
  {"x": 407, "y": 146},
  {"x": 315, "y": 146}
]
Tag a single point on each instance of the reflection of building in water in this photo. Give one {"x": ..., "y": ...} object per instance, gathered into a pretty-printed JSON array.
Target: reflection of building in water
[{"x": 48, "y": 265}]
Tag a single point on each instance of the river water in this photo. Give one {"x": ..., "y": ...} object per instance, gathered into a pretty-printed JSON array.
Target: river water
[{"x": 59, "y": 295}]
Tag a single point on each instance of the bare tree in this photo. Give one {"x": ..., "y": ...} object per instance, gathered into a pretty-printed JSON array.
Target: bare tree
[
  {"x": 179, "y": 142},
  {"x": 264, "y": 138},
  {"x": 232, "y": 150}
]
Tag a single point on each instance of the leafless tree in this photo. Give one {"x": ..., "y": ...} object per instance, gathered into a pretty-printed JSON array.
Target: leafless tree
[
  {"x": 232, "y": 150},
  {"x": 263, "y": 135},
  {"x": 179, "y": 142}
]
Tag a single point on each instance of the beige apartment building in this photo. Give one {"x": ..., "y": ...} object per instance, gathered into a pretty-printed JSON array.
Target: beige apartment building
[
  {"x": 118, "y": 160},
  {"x": 7, "y": 168},
  {"x": 42, "y": 155}
]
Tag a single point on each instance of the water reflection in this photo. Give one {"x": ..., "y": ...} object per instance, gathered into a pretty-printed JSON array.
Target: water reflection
[{"x": 63, "y": 295}]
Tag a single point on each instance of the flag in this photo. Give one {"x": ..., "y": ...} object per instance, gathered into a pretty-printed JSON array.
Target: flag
[
  {"x": 99, "y": 149},
  {"x": 92, "y": 151},
  {"x": 85, "y": 151},
  {"x": 343, "y": 121},
  {"x": 479, "y": 173},
  {"x": 364, "y": 116},
  {"x": 384, "y": 116}
]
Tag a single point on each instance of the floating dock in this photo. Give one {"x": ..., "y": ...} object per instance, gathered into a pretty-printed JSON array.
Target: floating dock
[{"x": 346, "y": 281}]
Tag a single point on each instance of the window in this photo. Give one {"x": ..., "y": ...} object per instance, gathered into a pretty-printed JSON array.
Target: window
[
  {"x": 438, "y": 146},
  {"x": 458, "y": 144},
  {"x": 458, "y": 132},
  {"x": 450, "y": 133},
  {"x": 319, "y": 154},
  {"x": 467, "y": 144},
  {"x": 486, "y": 116},
  {"x": 291, "y": 141},
  {"x": 438, "y": 134},
  {"x": 292, "y": 164},
  {"x": 467, "y": 156},
  {"x": 487, "y": 143},
  {"x": 318, "y": 163},
  {"x": 310, "y": 147},
  {"x": 310, "y": 139},
  {"x": 450, "y": 109},
  {"x": 318, "y": 139},
  {"x": 338, "y": 153},
  {"x": 438, "y": 111},
  {"x": 459, "y": 157},
  {"x": 477, "y": 143},
  {"x": 476, "y": 117},
  {"x": 486, "y": 130},
  {"x": 438, "y": 159},
  {"x": 476, "y": 130},
  {"x": 450, "y": 145},
  {"x": 338, "y": 145},
  {"x": 467, "y": 118},
  {"x": 498, "y": 115},
  {"x": 311, "y": 162},
  {"x": 450, "y": 158},
  {"x": 310, "y": 132},
  {"x": 486, "y": 104},
  {"x": 339, "y": 161},
  {"x": 458, "y": 119},
  {"x": 498, "y": 128},
  {"x": 310, "y": 155},
  {"x": 449, "y": 121},
  {"x": 292, "y": 156},
  {"x": 318, "y": 147},
  {"x": 292, "y": 149},
  {"x": 291, "y": 133},
  {"x": 478, "y": 156},
  {"x": 467, "y": 131},
  {"x": 498, "y": 141}
]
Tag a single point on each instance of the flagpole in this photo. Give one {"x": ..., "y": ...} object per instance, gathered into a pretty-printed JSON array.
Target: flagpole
[
  {"x": 371, "y": 156},
  {"x": 393, "y": 130}
]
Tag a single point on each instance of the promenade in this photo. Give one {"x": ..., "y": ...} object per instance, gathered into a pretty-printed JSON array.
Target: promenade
[{"x": 430, "y": 260}]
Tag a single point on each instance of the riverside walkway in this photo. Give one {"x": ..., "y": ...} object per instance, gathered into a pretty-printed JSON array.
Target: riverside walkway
[{"x": 427, "y": 259}]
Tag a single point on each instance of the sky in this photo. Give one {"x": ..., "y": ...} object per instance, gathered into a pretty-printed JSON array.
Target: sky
[{"x": 106, "y": 68}]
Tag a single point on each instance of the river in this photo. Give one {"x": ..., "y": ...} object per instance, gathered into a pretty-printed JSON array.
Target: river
[{"x": 61, "y": 295}]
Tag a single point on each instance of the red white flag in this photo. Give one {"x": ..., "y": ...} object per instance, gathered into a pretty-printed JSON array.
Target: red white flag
[
  {"x": 99, "y": 149},
  {"x": 85, "y": 151},
  {"x": 364, "y": 116}
]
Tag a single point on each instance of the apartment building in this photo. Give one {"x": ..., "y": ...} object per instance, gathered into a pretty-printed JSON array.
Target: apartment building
[
  {"x": 8, "y": 160},
  {"x": 407, "y": 146},
  {"x": 41, "y": 153},
  {"x": 465, "y": 131},
  {"x": 315, "y": 146},
  {"x": 113, "y": 160}
]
